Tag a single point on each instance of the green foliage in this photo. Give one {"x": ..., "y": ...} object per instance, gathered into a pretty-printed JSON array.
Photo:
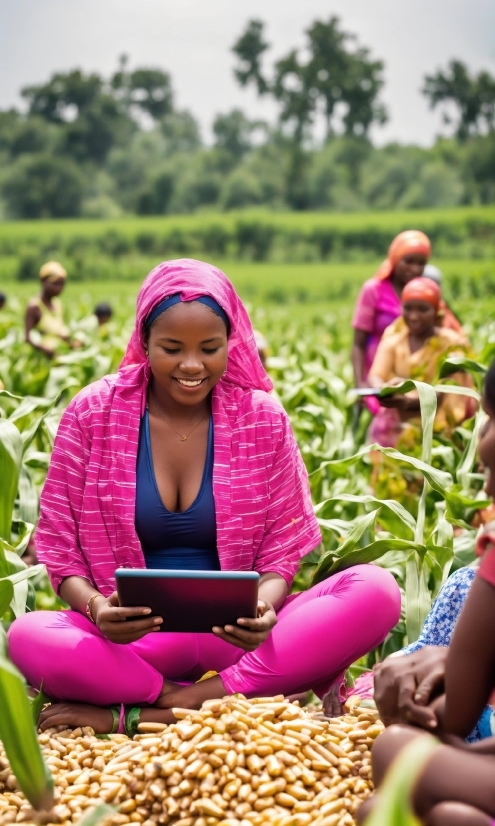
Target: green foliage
[
  {"x": 102, "y": 147},
  {"x": 43, "y": 186},
  {"x": 18, "y": 735},
  {"x": 94, "y": 248},
  {"x": 333, "y": 75},
  {"x": 474, "y": 97}
]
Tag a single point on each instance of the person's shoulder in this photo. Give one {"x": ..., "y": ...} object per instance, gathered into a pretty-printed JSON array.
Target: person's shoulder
[
  {"x": 261, "y": 403},
  {"x": 393, "y": 337},
  {"x": 255, "y": 407},
  {"x": 96, "y": 396},
  {"x": 450, "y": 337},
  {"x": 371, "y": 287}
]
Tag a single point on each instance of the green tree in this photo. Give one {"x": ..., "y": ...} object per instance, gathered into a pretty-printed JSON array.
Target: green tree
[
  {"x": 64, "y": 97},
  {"x": 472, "y": 95},
  {"x": 43, "y": 186},
  {"x": 92, "y": 119},
  {"x": 337, "y": 77},
  {"x": 233, "y": 132},
  {"x": 181, "y": 132},
  {"x": 249, "y": 49},
  {"x": 147, "y": 89}
]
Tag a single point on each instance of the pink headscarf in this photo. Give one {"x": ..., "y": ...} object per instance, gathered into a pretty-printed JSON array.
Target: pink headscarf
[{"x": 192, "y": 279}]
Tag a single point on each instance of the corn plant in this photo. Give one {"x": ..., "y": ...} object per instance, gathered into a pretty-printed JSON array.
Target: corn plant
[{"x": 17, "y": 726}]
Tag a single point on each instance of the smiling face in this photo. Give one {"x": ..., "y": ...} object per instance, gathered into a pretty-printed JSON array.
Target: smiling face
[
  {"x": 187, "y": 347},
  {"x": 419, "y": 316},
  {"x": 409, "y": 267}
]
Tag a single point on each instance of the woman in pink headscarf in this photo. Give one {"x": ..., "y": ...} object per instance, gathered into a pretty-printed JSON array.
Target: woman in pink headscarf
[
  {"x": 379, "y": 302},
  {"x": 184, "y": 460}
]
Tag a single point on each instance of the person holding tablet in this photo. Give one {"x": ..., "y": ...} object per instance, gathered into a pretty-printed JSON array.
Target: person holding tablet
[{"x": 184, "y": 460}]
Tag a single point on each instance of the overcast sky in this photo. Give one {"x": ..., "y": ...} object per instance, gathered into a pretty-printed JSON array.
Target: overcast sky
[{"x": 192, "y": 39}]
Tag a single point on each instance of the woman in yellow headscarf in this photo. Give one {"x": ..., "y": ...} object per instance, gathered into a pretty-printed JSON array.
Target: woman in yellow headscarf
[{"x": 44, "y": 322}]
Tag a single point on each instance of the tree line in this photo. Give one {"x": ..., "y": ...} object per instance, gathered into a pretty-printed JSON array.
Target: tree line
[{"x": 100, "y": 147}]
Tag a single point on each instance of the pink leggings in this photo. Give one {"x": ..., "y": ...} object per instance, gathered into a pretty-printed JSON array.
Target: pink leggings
[{"x": 319, "y": 633}]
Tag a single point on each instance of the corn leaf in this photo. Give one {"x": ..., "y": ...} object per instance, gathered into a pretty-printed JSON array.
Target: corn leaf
[
  {"x": 418, "y": 599},
  {"x": 38, "y": 703},
  {"x": 20, "y": 742},
  {"x": 10, "y": 462},
  {"x": 398, "y": 509},
  {"x": 6, "y": 595}
]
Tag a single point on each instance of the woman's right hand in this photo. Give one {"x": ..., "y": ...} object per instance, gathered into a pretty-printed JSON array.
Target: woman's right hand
[{"x": 112, "y": 620}]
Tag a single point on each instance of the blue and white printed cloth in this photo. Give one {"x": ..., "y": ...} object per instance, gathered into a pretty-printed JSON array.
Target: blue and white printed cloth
[{"x": 439, "y": 627}]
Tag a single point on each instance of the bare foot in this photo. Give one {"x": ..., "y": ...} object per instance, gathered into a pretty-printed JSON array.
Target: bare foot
[
  {"x": 332, "y": 705},
  {"x": 190, "y": 696},
  {"x": 73, "y": 715}
]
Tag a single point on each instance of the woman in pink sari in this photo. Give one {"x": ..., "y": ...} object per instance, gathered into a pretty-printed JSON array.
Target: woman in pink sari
[
  {"x": 379, "y": 304},
  {"x": 184, "y": 460}
]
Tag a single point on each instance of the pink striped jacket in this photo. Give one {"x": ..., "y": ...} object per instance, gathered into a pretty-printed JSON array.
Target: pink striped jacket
[{"x": 265, "y": 519}]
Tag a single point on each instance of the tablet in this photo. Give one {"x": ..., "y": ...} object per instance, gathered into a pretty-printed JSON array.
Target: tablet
[{"x": 190, "y": 601}]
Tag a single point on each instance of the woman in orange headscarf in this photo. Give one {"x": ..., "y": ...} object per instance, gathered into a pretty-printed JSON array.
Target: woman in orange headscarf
[
  {"x": 378, "y": 303},
  {"x": 414, "y": 352}
]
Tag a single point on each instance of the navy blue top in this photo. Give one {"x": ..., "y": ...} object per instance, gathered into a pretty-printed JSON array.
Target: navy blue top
[{"x": 186, "y": 540}]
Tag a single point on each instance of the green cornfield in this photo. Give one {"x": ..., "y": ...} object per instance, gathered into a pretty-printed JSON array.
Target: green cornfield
[{"x": 418, "y": 517}]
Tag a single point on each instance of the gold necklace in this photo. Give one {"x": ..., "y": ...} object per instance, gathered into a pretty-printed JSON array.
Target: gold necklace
[{"x": 182, "y": 437}]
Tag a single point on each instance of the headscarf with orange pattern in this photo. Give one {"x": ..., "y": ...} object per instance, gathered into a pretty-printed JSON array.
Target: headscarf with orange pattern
[
  {"x": 406, "y": 243},
  {"x": 422, "y": 289}
]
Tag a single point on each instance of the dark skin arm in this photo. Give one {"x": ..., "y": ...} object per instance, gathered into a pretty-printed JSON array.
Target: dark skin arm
[
  {"x": 357, "y": 356},
  {"x": 470, "y": 669}
]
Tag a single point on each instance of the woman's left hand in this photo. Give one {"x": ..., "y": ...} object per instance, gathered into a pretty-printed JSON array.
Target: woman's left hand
[{"x": 249, "y": 633}]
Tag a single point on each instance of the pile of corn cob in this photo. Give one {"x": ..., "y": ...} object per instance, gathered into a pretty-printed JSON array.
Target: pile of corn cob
[{"x": 236, "y": 762}]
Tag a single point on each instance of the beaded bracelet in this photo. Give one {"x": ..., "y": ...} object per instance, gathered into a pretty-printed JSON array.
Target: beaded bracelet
[{"x": 116, "y": 719}]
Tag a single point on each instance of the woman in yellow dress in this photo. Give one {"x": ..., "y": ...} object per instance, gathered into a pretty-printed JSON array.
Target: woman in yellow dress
[
  {"x": 44, "y": 322},
  {"x": 413, "y": 350}
]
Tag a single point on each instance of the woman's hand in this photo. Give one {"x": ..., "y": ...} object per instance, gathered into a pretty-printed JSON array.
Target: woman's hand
[
  {"x": 112, "y": 620},
  {"x": 405, "y": 687},
  {"x": 253, "y": 631}
]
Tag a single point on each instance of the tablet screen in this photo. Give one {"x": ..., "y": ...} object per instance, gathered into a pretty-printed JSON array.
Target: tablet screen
[{"x": 190, "y": 601}]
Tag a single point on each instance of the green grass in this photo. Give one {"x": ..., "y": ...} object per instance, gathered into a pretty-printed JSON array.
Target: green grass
[
  {"x": 302, "y": 221},
  {"x": 328, "y": 284}
]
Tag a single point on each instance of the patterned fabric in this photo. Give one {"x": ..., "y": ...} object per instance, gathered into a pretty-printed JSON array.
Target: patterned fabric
[
  {"x": 265, "y": 519},
  {"x": 440, "y": 622}
]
